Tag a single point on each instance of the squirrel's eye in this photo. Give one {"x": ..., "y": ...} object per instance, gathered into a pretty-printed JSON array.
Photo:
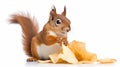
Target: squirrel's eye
[{"x": 58, "y": 21}]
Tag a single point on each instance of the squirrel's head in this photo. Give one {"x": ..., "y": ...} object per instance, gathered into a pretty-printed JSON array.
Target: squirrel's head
[{"x": 59, "y": 23}]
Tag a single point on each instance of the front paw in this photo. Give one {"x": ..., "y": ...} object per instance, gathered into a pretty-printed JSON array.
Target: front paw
[
  {"x": 65, "y": 42},
  {"x": 59, "y": 40},
  {"x": 62, "y": 41}
]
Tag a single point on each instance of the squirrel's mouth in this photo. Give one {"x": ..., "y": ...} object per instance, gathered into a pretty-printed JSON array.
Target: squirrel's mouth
[{"x": 62, "y": 34}]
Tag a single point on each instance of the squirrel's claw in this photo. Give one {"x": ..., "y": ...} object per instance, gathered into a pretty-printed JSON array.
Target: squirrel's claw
[
  {"x": 31, "y": 59},
  {"x": 62, "y": 41}
]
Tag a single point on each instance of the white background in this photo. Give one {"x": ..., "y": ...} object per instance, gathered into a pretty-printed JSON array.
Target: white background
[{"x": 95, "y": 22}]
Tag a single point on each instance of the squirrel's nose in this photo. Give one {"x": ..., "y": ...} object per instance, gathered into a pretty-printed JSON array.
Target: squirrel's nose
[{"x": 67, "y": 29}]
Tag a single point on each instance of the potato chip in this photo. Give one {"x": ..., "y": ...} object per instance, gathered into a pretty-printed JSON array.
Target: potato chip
[
  {"x": 68, "y": 55},
  {"x": 80, "y": 51},
  {"x": 107, "y": 60},
  {"x": 90, "y": 57},
  {"x": 65, "y": 56},
  {"x": 76, "y": 52},
  {"x": 85, "y": 62},
  {"x": 44, "y": 61},
  {"x": 55, "y": 58}
]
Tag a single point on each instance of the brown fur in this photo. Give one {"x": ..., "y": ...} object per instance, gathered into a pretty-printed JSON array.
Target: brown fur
[
  {"x": 31, "y": 37},
  {"x": 30, "y": 29}
]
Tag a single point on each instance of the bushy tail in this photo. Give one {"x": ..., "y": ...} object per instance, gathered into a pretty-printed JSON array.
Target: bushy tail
[{"x": 29, "y": 28}]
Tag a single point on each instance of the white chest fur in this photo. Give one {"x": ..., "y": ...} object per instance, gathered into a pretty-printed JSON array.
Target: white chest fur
[
  {"x": 44, "y": 51},
  {"x": 51, "y": 33}
]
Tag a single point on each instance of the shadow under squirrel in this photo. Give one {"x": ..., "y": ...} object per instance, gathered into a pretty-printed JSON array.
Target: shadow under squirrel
[{"x": 38, "y": 45}]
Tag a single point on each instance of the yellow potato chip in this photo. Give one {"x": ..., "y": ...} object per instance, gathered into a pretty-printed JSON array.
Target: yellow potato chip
[
  {"x": 107, "y": 60},
  {"x": 90, "y": 57},
  {"x": 85, "y": 62},
  {"x": 76, "y": 52},
  {"x": 80, "y": 51},
  {"x": 65, "y": 56},
  {"x": 55, "y": 59},
  {"x": 68, "y": 55},
  {"x": 44, "y": 61},
  {"x": 78, "y": 48}
]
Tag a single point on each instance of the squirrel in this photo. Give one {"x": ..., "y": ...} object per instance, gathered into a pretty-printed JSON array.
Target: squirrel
[{"x": 38, "y": 45}]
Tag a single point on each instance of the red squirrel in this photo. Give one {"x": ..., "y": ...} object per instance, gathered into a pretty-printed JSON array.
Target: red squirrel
[{"x": 38, "y": 45}]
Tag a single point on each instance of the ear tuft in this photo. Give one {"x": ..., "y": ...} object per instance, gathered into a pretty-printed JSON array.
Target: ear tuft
[
  {"x": 64, "y": 12},
  {"x": 53, "y": 13},
  {"x": 53, "y": 8}
]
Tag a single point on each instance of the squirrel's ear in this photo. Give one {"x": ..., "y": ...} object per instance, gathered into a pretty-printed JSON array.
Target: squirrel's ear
[
  {"x": 53, "y": 12},
  {"x": 64, "y": 12}
]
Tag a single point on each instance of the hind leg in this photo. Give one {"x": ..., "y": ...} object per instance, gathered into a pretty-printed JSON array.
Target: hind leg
[
  {"x": 31, "y": 59},
  {"x": 35, "y": 55}
]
